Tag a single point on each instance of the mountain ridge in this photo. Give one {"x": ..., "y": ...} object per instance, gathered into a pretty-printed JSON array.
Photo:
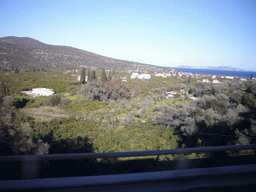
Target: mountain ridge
[{"x": 27, "y": 54}]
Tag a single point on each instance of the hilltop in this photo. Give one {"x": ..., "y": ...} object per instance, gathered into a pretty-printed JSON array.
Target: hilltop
[{"x": 27, "y": 54}]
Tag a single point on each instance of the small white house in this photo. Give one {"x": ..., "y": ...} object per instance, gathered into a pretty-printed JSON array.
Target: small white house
[
  {"x": 79, "y": 77},
  {"x": 42, "y": 92},
  {"x": 206, "y": 81},
  {"x": 229, "y": 77},
  {"x": 160, "y": 75},
  {"x": 144, "y": 76},
  {"x": 215, "y": 81},
  {"x": 134, "y": 75},
  {"x": 124, "y": 79}
]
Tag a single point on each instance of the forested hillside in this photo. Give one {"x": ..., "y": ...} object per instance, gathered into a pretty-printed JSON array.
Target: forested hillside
[{"x": 27, "y": 54}]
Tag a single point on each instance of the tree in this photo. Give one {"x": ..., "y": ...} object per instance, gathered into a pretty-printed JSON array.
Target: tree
[
  {"x": 4, "y": 89},
  {"x": 89, "y": 75},
  {"x": 103, "y": 76},
  {"x": 16, "y": 70},
  {"x": 93, "y": 75},
  {"x": 82, "y": 78},
  {"x": 249, "y": 100},
  {"x": 109, "y": 77},
  {"x": 15, "y": 140},
  {"x": 189, "y": 79}
]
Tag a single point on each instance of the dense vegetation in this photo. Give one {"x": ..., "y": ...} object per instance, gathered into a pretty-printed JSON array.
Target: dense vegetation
[{"x": 113, "y": 116}]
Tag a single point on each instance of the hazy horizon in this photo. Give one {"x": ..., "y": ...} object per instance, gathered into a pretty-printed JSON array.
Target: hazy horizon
[{"x": 162, "y": 33}]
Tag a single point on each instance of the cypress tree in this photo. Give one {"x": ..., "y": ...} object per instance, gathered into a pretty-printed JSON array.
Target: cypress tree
[
  {"x": 82, "y": 78},
  {"x": 189, "y": 79},
  {"x": 1, "y": 89},
  {"x": 109, "y": 77},
  {"x": 103, "y": 76},
  {"x": 7, "y": 89},
  {"x": 89, "y": 75},
  {"x": 93, "y": 75},
  {"x": 16, "y": 70}
]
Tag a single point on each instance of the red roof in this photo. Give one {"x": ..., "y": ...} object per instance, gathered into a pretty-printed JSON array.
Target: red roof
[{"x": 172, "y": 92}]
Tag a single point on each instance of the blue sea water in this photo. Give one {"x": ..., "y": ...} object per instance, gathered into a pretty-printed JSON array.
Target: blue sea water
[{"x": 242, "y": 74}]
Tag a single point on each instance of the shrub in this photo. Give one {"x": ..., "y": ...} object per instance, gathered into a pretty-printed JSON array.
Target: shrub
[
  {"x": 53, "y": 100},
  {"x": 65, "y": 101}
]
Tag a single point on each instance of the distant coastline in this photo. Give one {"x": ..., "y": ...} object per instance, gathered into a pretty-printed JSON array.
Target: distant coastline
[
  {"x": 222, "y": 68},
  {"x": 242, "y": 74}
]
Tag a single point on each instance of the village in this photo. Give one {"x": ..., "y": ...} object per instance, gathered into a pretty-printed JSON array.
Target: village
[{"x": 204, "y": 78}]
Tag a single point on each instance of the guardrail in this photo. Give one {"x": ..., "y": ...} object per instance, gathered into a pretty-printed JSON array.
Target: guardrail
[{"x": 30, "y": 168}]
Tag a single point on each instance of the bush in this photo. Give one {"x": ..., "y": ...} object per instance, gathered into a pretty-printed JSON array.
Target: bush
[
  {"x": 113, "y": 89},
  {"x": 8, "y": 101},
  {"x": 65, "y": 101},
  {"x": 53, "y": 100}
]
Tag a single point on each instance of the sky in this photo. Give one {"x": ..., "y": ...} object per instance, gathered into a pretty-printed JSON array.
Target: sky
[{"x": 160, "y": 32}]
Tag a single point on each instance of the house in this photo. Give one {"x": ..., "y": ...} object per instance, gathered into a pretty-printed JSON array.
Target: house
[
  {"x": 215, "y": 81},
  {"x": 144, "y": 76},
  {"x": 206, "y": 81},
  {"x": 134, "y": 75},
  {"x": 124, "y": 79},
  {"x": 229, "y": 77},
  {"x": 170, "y": 94},
  {"x": 42, "y": 92},
  {"x": 79, "y": 77},
  {"x": 193, "y": 98},
  {"x": 214, "y": 77},
  {"x": 160, "y": 75}
]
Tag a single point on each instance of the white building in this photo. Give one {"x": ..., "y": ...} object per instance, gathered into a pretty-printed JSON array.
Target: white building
[
  {"x": 42, "y": 92},
  {"x": 160, "y": 75},
  {"x": 134, "y": 75},
  {"x": 215, "y": 81},
  {"x": 229, "y": 77},
  {"x": 124, "y": 79},
  {"x": 206, "y": 81},
  {"x": 144, "y": 76},
  {"x": 79, "y": 77}
]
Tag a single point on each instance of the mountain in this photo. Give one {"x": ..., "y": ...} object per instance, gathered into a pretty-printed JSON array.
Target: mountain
[
  {"x": 27, "y": 54},
  {"x": 212, "y": 68}
]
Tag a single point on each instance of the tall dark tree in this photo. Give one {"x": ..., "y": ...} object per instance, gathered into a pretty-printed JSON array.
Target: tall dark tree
[
  {"x": 251, "y": 77},
  {"x": 1, "y": 89},
  {"x": 16, "y": 70},
  {"x": 89, "y": 75},
  {"x": 103, "y": 76},
  {"x": 189, "y": 79},
  {"x": 93, "y": 75},
  {"x": 109, "y": 76},
  {"x": 82, "y": 78},
  {"x": 4, "y": 89}
]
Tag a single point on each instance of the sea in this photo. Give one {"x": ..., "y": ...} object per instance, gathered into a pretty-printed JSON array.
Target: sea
[{"x": 242, "y": 74}]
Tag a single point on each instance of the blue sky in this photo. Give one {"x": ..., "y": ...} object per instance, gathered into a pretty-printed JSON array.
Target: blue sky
[{"x": 161, "y": 32}]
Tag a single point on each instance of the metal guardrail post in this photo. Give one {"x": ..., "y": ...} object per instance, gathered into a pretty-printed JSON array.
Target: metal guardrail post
[{"x": 30, "y": 166}]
